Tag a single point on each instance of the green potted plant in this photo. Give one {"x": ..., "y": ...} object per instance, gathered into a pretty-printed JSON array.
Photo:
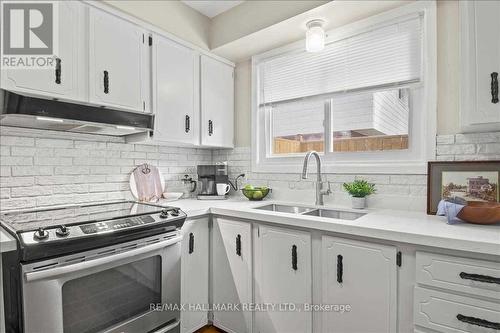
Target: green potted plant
[{"x": 358, "y": 190}]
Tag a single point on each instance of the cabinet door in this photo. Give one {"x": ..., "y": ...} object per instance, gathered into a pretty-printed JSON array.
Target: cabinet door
[
  {"x": 70, "y": 83},
  {"x": 232, "y": 273},
  {"x": 480, "y": 57},
  {"x": 282, "y": 277},
  {"x": 194, "y": 271},
  {"x": 175, "y": 92},
  {"x": 217, "y": 103},
  {"x": 117, "y": 62},
  {"x": 362, "y": 275}
]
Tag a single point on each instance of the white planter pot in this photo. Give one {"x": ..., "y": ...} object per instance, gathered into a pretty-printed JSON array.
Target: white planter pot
[{"x": 358, "y": 203}]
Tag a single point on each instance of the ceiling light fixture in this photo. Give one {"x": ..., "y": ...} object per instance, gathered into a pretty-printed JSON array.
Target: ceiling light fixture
[{"x": 315, "y": 36}]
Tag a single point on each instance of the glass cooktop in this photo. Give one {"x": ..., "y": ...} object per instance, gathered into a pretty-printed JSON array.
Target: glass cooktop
[{"x": 46, "y": 218}]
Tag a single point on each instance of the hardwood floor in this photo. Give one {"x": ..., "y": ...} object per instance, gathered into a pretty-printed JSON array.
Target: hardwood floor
[{"x": 209, "y": 329}]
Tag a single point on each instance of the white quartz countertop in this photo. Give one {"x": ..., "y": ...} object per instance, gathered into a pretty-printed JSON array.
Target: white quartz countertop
[
  {"x": 7, "y": 242},
  {"x": 393, "y": 225}
]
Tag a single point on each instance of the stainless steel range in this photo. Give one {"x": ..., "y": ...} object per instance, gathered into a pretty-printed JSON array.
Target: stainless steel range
[{"x": 93, "y": 268}]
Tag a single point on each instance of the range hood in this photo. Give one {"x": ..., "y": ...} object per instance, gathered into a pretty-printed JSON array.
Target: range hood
[{"x": 31, "y": 112}]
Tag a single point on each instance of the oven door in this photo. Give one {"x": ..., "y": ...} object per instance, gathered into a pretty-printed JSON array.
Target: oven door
[{"x": 112, "y": 289}]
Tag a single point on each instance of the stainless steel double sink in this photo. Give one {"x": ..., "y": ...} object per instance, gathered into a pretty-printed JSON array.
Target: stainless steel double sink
[{"x": 320, "y": 212}]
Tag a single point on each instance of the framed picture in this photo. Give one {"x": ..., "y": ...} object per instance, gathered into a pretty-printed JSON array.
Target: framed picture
[{"x": 469, "y": 180}]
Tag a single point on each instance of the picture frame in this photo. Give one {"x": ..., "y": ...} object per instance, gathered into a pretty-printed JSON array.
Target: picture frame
[{"x": 469, "y": 180}]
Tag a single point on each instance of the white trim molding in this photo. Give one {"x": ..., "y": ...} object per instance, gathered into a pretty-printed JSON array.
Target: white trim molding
[{"x": 422, "y": 125}]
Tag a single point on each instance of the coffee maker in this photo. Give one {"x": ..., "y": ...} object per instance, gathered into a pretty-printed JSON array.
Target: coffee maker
[{"x": 209, "y": 176}]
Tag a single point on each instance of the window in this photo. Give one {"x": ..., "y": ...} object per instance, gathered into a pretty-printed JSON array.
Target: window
[{"x": 367, "y": 101}]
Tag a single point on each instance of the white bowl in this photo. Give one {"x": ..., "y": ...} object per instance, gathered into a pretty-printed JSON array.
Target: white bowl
[{"x": 172, "y": 196}]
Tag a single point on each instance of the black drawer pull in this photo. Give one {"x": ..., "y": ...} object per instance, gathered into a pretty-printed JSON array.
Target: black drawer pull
[
  {"x": 340, "y": 269},
  {"x": 294, "y": 257},
  {"x": 494, "y": 87},
  {"x": 58, "y": 71},
  {"x": 191, "y": 243},
  {"x": 187, "y": 124},
  {"x": 480, "y": 278},
  {"x": 210, "y": 128},
  {"x": 238, "y": 245},
  {"x": 478, "y": 322},
  {"x": 106, "y": 82}
]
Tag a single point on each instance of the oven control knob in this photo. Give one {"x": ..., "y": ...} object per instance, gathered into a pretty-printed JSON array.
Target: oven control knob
[
  {"x": 175, "y": 212},
  {"x": 41, "y": 233},
  {"x": 164, "y": 213},
  {"x": 62, "y": 231}
]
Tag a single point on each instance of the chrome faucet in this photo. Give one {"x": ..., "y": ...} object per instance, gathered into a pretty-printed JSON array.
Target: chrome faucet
[{"x": 319, "y": 182}]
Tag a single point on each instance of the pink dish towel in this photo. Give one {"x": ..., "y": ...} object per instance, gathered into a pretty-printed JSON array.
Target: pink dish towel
[{"x": 147, "y": 181}]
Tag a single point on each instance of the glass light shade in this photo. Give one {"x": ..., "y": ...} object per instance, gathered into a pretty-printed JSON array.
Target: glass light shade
[{"x": 315, "y": 36}]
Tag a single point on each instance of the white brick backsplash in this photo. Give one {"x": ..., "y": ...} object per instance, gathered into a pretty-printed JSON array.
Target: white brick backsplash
[
  {"x": 489, "y": 148},
  {"x": 41, "y": 168},
  {"x": 4, "y": 193},
  {"x": 458, "y": 149},
  {"x": 16, "y": 160},
  {"x": 31, "y": 191},
  {"x": 16, "y": 181},
  {"x": 53, "y": 160},
  {"x": 54, "y": 143},
  {"x": 469, "y": 146},
  {"x": 32, "y": 170},
  {"x": 4, "y": 150},
  {"x": 5, "y": 171},
  {"x": 16, "y": 141}
]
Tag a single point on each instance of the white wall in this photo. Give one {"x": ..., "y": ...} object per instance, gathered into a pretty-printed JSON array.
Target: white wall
[
  {"x": 172, "y": 16},
  {"x": 448, "y": 78}
]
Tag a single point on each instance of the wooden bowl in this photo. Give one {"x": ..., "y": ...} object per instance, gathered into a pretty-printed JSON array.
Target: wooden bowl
[{"x": 480, "y": 212}]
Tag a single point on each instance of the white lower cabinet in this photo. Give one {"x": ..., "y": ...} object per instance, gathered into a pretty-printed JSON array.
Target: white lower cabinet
[
  {"x": 362, "y": 275},
  {"x": 232, "y": 274},
  {"x": 194, "y": 274},
  {"x": 282, "y": 278},
  {"x": 450, "y": 313}
]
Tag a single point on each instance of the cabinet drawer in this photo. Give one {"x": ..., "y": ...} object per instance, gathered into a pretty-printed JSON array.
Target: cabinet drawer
[
  {"x": 448, "y": 313},
  {"x": 476, "y": 277}
]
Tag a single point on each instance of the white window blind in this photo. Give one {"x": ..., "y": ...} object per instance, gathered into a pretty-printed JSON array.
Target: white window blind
[{"x": 384, "y": 55}]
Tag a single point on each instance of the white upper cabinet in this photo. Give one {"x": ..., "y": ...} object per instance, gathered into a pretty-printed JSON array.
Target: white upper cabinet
[
  {"x": 118, "y": 72},
  {"x": 66, "y": 79},
  {"x": 175, "y": 92},
  {"x": 364, "y": 276},
  {"x": 217, "y": 103},
  {"x": 283, "y": 276},
  {"x": 480, "y": 65}
]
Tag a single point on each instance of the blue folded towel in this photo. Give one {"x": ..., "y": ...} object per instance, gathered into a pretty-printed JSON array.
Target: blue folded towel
[{"x": 450, "y": 210}]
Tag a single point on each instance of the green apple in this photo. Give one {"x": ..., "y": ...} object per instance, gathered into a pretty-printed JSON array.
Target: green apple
[
  {"x": 257, "y": 195},
  {"x": 248, "y": 187}
]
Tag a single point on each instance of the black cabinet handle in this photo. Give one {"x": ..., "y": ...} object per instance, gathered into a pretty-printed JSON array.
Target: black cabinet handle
[
  {"x": 238, "y": 245},
  {"x": 191, "y": 243},
  {"x": 478, "y": 322},
  {"x": 480, "y": 278},
  {"x": 210, "y": 128},
  {"x": 187, "y": 124},
  {"x": 58, "y": 71},
  {"x": 494, "y": 87},
  {"x": 340, "y": 269},
  {"x": 106, "y": 82},
  {"x": 294, "y": 257}
]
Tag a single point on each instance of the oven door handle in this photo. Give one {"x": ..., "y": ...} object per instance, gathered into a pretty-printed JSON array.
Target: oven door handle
[{"x": 58, "y": 271}]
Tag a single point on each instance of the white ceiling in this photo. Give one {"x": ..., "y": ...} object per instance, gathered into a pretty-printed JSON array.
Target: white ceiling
[{"x": 211, "y": 8}]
